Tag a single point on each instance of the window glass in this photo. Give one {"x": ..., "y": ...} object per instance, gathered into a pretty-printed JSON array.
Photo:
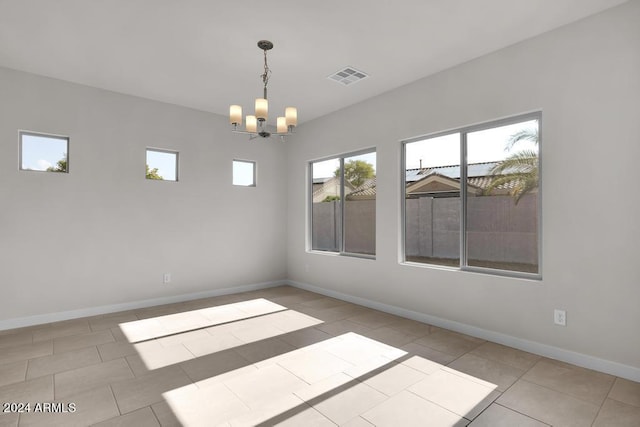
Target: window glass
[
  {"x": 502, "y": 197},
  {"x": 162, "y": 165},
  {"x": 43, "y": 153},
  {"x": 432, "y": 200},
  {"x": 326, "y": 227},
  {"x": 343, "y": 204},
  {"x": 359, "y": 185},
  {"x": 244, "y": 173}
]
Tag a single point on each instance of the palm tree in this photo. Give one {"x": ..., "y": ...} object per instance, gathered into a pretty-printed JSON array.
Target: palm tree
[{"x": 519, "y": 169}]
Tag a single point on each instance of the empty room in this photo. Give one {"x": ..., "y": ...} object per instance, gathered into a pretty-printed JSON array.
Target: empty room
[{"x": 408, "y": 213}]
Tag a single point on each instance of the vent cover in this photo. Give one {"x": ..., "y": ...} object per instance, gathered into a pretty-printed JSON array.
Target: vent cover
[{"x": 347, "y": 76}]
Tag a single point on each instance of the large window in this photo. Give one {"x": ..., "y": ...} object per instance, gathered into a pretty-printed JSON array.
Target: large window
[
  {"x": 44, "y": 153},
  {"x": 471, "y": 198},
  {"x": 343, "y": 204}
]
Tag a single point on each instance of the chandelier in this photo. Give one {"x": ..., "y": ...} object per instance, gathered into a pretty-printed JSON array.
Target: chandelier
[{"x": 256, "y": 125}]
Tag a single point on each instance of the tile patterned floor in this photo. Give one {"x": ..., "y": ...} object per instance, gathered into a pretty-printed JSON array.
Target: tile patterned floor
[{"x": 284, "y": 356}]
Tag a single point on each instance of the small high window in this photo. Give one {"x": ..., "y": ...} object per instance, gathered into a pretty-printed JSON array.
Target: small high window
[
  {"x": 162, "y": 165},
  {"x": 244, "y": 173},
  {"x": 44, "y": 153}
]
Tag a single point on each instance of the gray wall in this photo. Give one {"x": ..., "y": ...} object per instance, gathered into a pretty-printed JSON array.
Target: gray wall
[
  {"x": 104, "y": 235},
  {"x": 584, "y": 78}
]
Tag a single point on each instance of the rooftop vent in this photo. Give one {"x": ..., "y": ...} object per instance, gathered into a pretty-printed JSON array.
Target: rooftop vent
[{"x": 347, "y": 76}]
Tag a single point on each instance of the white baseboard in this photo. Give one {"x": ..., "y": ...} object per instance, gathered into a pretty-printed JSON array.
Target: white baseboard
[
  {"x": 624, "y": 371},
  {"x": 94, "y": 311},
  {"x": 613, "y": 368}
]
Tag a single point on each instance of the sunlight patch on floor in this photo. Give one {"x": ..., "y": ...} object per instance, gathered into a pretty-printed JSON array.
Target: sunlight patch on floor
[
  {"x": 335, "y": 381},
  {"x": 225, "y": 327},
  {"x": 170, "y": 324}
]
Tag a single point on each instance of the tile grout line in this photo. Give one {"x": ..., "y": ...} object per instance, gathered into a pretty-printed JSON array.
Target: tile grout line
[
  {"x": 65, "y": 370},
  {"x": 128, "y": 365},
  {"x": 521, "y": 413},
  {"x": 440, "y": 406},
  {"x": 53, "y": 385},
  {"x": 557, "y": 391},
  {"x": 116, "y": 400},
  {"x": 613, "y": 383},
  {"x": 154, "y": 414},
  {"x": 620, "y": 401}
]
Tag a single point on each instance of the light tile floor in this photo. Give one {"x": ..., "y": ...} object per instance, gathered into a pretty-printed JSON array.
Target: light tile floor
[{"x": 284, "y": 356}]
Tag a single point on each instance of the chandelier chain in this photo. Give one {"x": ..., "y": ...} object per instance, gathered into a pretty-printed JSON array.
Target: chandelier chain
[{"x": 267, "y": 70}]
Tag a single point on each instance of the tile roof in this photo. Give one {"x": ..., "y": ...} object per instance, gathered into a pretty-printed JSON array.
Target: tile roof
[
  {"x": 473, "y": 170},
  {"x": 478, "y": 175}
]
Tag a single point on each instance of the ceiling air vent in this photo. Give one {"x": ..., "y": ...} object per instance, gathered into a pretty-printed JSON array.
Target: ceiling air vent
[{"x": 347, "y": 76}]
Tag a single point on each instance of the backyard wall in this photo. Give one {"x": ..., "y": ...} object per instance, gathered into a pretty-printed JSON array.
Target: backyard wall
[{"x": 499, "y": 230}]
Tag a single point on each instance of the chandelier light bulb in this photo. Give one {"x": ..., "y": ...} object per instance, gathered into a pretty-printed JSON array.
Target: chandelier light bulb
[
  {"x": 291, "y": 113},
  {"x": 252, "y": 124},
  {"x": 282, "y": 125},
  {"x": 235, "y": 115},
  {"x": 262, "y": 108}
]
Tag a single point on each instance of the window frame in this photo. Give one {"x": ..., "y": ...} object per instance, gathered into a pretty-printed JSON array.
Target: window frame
[
  {"x": 22, "y": 133},
  {"x": 341, "y": 251},
  {"x": 164, "y": 150},
  {"x": 254, "y": 173},
  {"x": 464, "y": 131}
]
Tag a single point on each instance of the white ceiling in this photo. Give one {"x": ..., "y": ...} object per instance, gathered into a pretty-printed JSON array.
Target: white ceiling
[{"x": 202, "y": 53}]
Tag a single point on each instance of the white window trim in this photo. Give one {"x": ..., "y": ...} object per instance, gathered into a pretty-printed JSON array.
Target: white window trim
[
  {"x": 45, "y": 135},
  {"x": 164, "y": 150},
  {"x": 463, "y": 131},
  {"x": 341, "y": 251}
]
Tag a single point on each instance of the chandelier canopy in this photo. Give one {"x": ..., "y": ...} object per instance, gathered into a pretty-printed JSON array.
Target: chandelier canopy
[{"x": 256, "y": 125}]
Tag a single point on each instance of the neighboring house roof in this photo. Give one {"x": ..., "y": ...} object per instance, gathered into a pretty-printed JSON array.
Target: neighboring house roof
[
  {"x": 322, "y": 180},
  {"x": 441, "y": 180},
  {"x": 365, "y": 191},
  {"x": 436, "y": 183},
  {"x": 330, "y": 186},
  {"x": 473, "y": 170}
]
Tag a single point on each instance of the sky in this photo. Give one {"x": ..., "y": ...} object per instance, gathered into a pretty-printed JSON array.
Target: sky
[
  {"x": 165, "y": 162},
  {"x": 42, "y": 152},
  {"x": 326, "y": 168},
  {"x": 243, "y": 173},
  {"x": 482, "y": 146}
]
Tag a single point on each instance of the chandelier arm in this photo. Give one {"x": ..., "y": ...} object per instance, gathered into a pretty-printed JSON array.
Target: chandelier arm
[{"x": 245, "y": 132}]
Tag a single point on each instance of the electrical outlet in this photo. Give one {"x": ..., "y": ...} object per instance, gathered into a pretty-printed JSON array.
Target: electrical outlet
[
  {"x": 166, "y": 278},
  {"x": 560, "y": 317}
]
